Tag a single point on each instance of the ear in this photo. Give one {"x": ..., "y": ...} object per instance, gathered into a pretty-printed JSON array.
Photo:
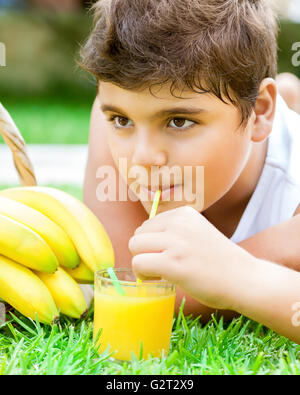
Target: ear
[{"x": 264, "y": 110}]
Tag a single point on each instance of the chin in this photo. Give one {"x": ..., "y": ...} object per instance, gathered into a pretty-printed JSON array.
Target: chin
[{"x": 166, "y": 205}]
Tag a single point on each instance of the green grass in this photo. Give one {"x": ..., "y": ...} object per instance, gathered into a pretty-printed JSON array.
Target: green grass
[
  {"x": 52, "y": 121},
  {"x": 240, "y": 347}
]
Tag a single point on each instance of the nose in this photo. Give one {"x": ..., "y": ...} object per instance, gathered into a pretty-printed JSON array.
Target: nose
[{"x": 148, "y": 150}]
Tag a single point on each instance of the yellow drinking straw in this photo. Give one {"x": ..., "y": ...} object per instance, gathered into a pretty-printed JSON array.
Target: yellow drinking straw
[
  {"x": 155, "y": 204},
  {"x": 110, "y": 270},
  {"x": 152, "y": 214}
]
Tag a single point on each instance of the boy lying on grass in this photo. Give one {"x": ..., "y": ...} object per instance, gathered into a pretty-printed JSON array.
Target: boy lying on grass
[{"x": 192, "y": 83}]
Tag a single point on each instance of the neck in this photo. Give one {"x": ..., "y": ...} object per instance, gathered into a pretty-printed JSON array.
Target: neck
[{"x": 226, "y": 213}]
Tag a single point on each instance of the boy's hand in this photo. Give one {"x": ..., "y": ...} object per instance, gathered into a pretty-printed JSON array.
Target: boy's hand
[{"x": 181, "y": 246}]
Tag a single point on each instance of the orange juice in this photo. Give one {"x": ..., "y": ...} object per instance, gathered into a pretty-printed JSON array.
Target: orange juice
[{"x": 143, "y": 315}]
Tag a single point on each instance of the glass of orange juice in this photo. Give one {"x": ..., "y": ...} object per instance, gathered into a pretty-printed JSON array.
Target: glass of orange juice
[{"x": 139, "y": 321}]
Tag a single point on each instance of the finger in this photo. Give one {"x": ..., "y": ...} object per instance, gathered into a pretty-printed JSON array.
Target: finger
[
  {"x": 150, "y": 242},
  {"x": 157, "y": 223},
  {"x": 151, "y": 265},
  {"x": 151, "y": 226},
  {"x": 143, "y": 278}
]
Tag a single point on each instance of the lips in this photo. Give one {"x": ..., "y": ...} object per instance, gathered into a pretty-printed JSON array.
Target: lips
[
  {"x": 166, "y": 194},
  {"x": 153, "y": 189}
]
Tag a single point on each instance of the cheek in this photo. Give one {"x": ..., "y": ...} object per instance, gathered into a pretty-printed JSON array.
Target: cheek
[
  {"x": 213, "y": 150},
  {"x": 222, "y": 153},
  {"x": 120, "y": 152},
  {"x": 225, "y": 164}
]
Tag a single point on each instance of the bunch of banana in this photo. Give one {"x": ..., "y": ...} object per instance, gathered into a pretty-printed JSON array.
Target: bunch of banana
[
  {"x": 22, "y": 289},
  {"x": 66, "y": 293},
  {"x": 82, "y": 274},
  {"x": 60, "y": 240}
]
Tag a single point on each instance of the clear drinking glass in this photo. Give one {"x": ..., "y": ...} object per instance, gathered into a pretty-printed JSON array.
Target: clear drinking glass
[{"x": 139, "y": 322}]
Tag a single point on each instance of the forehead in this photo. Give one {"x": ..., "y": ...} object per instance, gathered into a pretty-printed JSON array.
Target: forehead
[{"x": 161, "y": 97}]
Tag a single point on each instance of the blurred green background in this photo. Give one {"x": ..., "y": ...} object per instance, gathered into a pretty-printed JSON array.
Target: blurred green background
[{"x": 47, "y": 94}]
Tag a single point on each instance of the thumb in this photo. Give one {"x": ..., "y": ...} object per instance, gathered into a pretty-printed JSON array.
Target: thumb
[{"x": 149, "y": 266}]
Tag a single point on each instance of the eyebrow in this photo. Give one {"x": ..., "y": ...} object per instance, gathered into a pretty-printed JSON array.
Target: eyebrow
[{"x": 159, "y": 114}]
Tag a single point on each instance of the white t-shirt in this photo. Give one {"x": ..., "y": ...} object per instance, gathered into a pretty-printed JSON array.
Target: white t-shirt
[{"x": 277, "y": 194}]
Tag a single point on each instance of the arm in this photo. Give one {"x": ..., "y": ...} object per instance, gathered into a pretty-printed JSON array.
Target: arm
[
  {"x": 270, "y": 294},
  {"x": 181, "y": 246},
  {"x": 279, "y": 244}
]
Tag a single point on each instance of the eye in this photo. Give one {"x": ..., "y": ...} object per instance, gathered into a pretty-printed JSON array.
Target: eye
[
  {"x": 122, "y": 121},
  {"x": 179, "y": 122}
]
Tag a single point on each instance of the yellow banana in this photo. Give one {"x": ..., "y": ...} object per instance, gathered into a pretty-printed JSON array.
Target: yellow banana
[
  {"x": 66, "y": 293},
  {"x": 81, "y": 274},
  {"x": 22, "y": 289},
  {"x": 77, "y": 220},
  {"x": 23, "y": 245},
  {"x": 53, "y": 234}
]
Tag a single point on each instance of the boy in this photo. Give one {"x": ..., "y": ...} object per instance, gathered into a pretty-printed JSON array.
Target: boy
[{"x": 211, "y": 66}]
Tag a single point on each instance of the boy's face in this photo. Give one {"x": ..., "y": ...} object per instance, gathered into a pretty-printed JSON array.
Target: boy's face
[{"x": 210, "y": 138}]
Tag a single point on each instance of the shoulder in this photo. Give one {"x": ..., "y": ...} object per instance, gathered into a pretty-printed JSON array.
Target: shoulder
[
  {"x": 298, "y": 210},
  {"x": 284, "y": 143}
]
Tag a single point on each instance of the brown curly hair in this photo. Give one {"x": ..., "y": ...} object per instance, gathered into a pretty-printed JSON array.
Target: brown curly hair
[{"x": 225, "y": 47}]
